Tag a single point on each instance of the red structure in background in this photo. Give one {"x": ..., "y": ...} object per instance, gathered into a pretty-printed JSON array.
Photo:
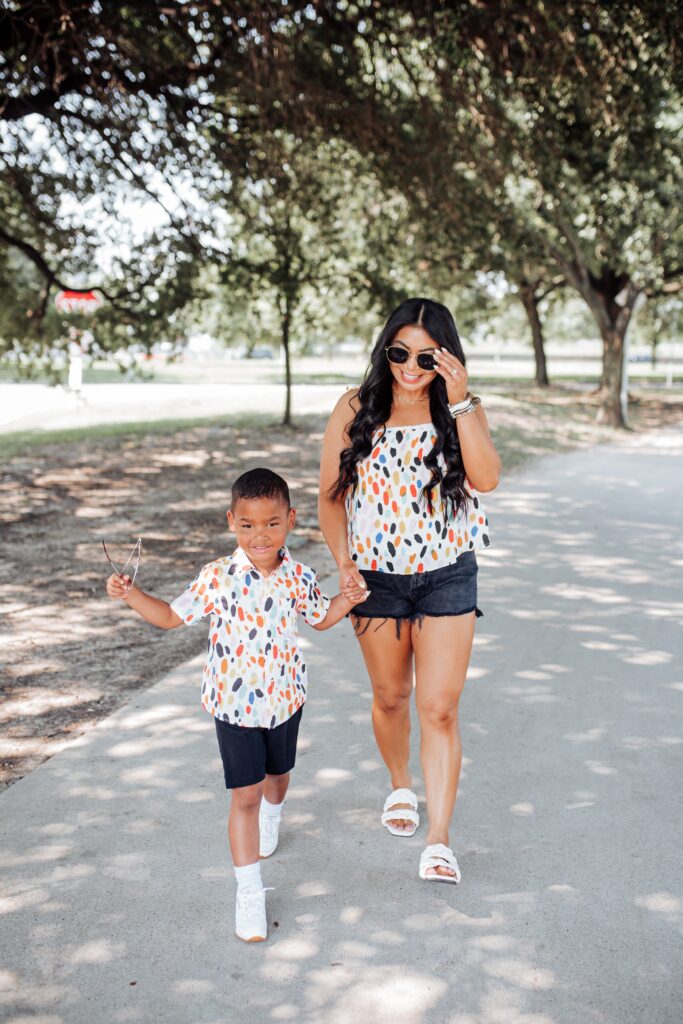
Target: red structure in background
[{"x": 77, "y": 302}]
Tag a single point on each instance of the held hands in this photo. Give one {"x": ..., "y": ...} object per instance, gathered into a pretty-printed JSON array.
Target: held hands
[
  {"x": 118, "y": 587},
  {"x": 454, "y": 373},
  {"x": 351, "y": 584}
]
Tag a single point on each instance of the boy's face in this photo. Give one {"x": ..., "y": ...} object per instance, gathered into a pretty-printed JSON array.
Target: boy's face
[{"x": 261, "y": 526}]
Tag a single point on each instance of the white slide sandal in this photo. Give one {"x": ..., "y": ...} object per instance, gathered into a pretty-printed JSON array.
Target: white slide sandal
[
  {"x": 393, "y": 813},
  {"x": 439, "y": 856}
]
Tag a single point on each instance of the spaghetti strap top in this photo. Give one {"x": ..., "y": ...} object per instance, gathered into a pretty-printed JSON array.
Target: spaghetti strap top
[{"x": 390, "y": 528}]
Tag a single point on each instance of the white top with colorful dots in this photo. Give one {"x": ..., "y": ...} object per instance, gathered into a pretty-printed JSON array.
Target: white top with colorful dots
[
  {"x": 254, "y": 674},
  {"x": 389, "y": 526}
]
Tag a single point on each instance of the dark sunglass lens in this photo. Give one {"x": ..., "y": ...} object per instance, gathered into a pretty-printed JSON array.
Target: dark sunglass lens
[
  {"x": 397, "y": 355},
  {"x": 426, "y": 361}
]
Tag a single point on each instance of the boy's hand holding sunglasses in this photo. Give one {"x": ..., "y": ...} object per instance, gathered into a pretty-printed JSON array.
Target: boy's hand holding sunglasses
[
  {"x": 120, "y": 584},
  {"x": 119, "y": 587}
]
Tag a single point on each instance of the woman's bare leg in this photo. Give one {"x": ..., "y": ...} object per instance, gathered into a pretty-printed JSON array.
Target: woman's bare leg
[
  {"x": 442, "y": 648},
  {"x": 389, "y": 662}
]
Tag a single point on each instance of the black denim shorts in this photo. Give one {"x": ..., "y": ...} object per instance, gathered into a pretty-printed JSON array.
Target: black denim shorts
[{"x": 450, "y": 590}]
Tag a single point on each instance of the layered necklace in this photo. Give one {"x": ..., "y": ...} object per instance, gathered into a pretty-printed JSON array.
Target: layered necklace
[{"x": 408, "y": 401}]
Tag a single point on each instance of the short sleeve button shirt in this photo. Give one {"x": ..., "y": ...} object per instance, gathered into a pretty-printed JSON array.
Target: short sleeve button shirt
[{"x": 254, "y": 674}]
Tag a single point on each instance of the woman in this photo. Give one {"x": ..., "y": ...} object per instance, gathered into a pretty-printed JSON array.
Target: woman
[{"x": 400, "y": 456}]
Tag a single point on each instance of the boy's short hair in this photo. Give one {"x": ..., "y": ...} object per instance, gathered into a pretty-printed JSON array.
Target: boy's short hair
[{"x": 259, "y": 483}]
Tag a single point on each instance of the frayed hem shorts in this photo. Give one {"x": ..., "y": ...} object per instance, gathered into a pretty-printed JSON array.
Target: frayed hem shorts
[{"x": 450, "y": 590}]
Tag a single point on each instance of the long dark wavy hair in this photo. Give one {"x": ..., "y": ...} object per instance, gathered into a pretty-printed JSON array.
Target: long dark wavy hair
[{"x": 375, "y": 398}]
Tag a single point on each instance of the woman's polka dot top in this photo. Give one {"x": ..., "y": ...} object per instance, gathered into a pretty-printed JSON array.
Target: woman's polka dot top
[
  {"x": 254, "y": 674},
  {"x": 389, "y": 526}
]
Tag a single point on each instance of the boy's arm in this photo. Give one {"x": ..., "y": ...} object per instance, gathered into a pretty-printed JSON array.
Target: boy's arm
[
  {"x": 339, "y": 607},
  {"x": 152, "y": 609}
]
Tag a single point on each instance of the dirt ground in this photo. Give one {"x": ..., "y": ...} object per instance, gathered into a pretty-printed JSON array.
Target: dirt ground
[{"x": 70, "y": 656}]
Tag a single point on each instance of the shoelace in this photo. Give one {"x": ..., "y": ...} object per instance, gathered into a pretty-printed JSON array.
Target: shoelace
[{"x": 245, "y": 897}]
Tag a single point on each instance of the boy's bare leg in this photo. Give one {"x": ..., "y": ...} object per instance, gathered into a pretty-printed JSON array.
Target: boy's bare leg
[
  {"x": 243, "y": 826},
  {"x": 275, "y": 788}
]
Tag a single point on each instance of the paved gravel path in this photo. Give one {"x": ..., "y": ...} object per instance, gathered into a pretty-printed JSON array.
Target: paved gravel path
[{"x": 117, "y": 900}]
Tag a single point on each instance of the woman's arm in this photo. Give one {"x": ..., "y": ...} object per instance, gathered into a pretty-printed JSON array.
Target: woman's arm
[
  {"x": 332, "y": 511},
  {"x": 480, "y": 458}
]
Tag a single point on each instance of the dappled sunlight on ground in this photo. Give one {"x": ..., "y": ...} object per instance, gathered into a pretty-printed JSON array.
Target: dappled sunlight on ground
[
  {"x": 71, "y": 655},
  {"x": 117, "y": 890},
  {"x": 87, "y": 656},
  {"x": 123, "y": 885}
]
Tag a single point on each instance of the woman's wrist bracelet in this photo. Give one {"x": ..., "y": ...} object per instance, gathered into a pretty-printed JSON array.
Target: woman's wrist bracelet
[
  {"x": 454, "y": 407},
  {"x": 468, "y": 404}
]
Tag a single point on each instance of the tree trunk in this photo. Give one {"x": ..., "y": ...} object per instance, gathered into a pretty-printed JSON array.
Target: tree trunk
[
  {"x": 528, "y": 295},
  {"x": 612, "y": 411},
  {"x": 285, "y": 322},
  {"x": 611, "y": 297}
]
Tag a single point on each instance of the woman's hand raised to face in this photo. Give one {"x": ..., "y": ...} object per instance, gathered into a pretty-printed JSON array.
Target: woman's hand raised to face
[{"x": 454, "y": 373}]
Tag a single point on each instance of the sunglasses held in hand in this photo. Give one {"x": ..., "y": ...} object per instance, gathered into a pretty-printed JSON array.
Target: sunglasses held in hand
[
  {"x": 396, "y": 354},
  {"x": 134, "y": 557}
]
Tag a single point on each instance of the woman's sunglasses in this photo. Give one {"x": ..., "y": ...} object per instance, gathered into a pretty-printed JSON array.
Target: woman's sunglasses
[{"x": 396, "y": 354}]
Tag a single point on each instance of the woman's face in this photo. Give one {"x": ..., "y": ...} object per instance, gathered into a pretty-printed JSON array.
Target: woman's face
[{"x": 409, "y": 375}]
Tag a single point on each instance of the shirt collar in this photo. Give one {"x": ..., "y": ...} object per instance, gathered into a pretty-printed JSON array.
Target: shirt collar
[{"x": 241, "y": 564}]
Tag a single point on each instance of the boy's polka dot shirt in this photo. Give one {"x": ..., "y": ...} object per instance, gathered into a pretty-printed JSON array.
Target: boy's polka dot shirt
[{"x": 254, "y": 674}]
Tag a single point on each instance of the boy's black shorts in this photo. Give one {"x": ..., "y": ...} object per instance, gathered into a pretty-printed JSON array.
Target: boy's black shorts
[{"x": 250, "y": 754}]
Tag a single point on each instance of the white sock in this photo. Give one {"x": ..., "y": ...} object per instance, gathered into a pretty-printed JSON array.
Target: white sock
[
  {"x": 272, "y": 810},
  {"x": 249, "y": 878}
]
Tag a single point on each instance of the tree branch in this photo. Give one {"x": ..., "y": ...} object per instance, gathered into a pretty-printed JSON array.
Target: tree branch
[
  {"x": 52, "y": 279},
  {"x": 556, "y": 283}
]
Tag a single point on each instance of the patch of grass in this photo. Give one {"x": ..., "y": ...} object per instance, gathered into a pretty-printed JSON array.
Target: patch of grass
[
  {"x": 21, "y": 441},
  {"x": 112, "y": 375}
]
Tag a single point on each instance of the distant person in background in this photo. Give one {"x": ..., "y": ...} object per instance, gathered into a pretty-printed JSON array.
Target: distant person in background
[
  {"x": 76, "y": 351},
  {"x": 402, "y": 456}
]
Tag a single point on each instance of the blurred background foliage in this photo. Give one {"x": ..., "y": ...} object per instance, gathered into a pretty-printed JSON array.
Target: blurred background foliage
[{"x": 285, "y": 173}]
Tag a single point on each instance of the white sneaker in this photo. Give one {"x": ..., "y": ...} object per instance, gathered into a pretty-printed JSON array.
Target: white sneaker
[
  {"x": 250, "y": 916},
  {"x": 269, "y": 834}
]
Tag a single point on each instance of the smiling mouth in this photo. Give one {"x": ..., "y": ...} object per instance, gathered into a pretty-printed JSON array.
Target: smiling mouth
[{"x": 410, "y": 378}]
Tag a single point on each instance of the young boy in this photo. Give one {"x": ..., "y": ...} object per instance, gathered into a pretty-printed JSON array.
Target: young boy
[{"x": 254, "y": 681}]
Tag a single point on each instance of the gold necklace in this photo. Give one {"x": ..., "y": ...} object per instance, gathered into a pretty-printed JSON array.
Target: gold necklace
[{"x": 406, "y": 401}]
